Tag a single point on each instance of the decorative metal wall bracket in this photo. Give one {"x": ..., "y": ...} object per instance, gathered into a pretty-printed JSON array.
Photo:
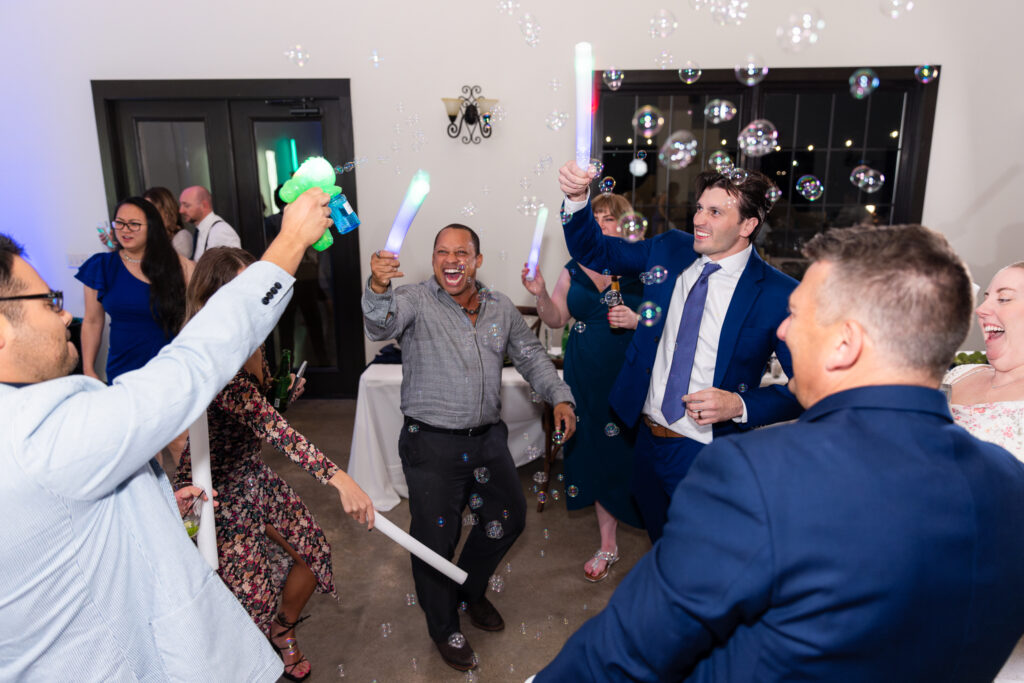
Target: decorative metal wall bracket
[{"x": 471, "y": 111}]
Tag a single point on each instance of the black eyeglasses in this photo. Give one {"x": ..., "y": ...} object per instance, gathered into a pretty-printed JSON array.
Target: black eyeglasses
[
  {"x": 131, "y": 226},
  {"x": 55, "y": 299}
]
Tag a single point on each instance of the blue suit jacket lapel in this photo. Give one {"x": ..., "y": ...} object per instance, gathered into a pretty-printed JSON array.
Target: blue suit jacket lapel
[{"x": 747, "y": 291}]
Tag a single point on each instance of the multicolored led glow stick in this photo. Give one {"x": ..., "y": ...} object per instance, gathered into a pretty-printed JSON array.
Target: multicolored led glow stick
[
  {"x": 199, "y": 445},
  {"x": 584, "y": 103},
  {"x": 387, "y": 527},
  {"x": 419, "y": 188},
  {"x": 538, "y": 235}
]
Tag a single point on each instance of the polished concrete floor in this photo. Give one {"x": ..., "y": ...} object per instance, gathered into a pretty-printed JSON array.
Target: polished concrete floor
[{"x": 371, "y": 632}]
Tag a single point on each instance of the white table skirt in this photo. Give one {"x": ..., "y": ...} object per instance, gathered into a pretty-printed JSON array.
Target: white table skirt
[{"x": 373, "y": 461}]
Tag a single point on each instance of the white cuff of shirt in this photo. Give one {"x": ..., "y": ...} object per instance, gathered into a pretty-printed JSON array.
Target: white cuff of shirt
[
  {"x": 742, "y": 419},
  {"x": 571, "y": 206}
]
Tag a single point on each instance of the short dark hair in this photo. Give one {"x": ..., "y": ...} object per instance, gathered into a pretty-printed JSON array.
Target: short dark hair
[
  {"x": 459, "y": 226},
  {"x": 9, "y": 285},
  {"x": 904, "y": 284},
  {"x": 752, "y": 194}
]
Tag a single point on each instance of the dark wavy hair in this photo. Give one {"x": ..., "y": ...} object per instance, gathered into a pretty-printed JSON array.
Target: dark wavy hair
[
  {"x": 160, "y": 263},
  {"x": 751, "y": 194}
]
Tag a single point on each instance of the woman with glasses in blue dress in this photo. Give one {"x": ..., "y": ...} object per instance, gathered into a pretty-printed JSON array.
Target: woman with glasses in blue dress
[{"x": 140, "y": 285}]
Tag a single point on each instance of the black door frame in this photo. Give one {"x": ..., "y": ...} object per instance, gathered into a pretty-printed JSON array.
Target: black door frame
[{"x": 334, "y": 97}]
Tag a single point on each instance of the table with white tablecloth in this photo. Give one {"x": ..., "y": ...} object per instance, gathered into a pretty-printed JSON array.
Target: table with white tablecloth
[{"x": 373, "y": 461}]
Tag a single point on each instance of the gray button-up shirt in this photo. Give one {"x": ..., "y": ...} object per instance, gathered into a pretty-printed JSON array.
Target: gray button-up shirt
[{"x": 451, "y": 369}]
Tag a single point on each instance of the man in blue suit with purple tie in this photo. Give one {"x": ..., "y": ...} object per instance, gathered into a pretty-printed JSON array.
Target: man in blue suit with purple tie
[
  {"x": 693, "y": 375},
  {"x": 873, "y": 540}
]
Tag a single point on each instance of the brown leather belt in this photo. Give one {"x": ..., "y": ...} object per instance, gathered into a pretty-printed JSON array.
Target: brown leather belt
[{"x": 661, "y": 432}]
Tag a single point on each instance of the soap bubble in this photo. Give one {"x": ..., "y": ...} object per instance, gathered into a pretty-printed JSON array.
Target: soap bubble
[
  {"x": 606, "y": 185},
  {"x": 554, "y": 85},
  {"x": 530, "y": 28},
  {"x": 773, "y": 194},
  {"x": 872, "y": 181},
  {"x": 470, "y": 519},
  {"x": 572, "y": 490},
  {"x": 663, "y": 23},
  {"x": 650, "y": 313},
  {"x": 720, "y": 110},
  {"x": 648, "y": 120},
  {"x": 482, "y": 475},
  {"x": 542, "y": 497},
  {"x": 496, "y": 583},
  {"x": 532, "y": 453},
  {"x": 297, "y": 56},
  {"x": 468, "y": 210},
  {"x": 857, "y": 174},
  {"x": 638, "y": 168},
  {"x": 738, "y": 176},
  {"x": 613, "y": 78},
  {"x": 456, "y": 640},
  {"x": 641, "y": 154},
  {"x": 440, "y": 521},
  {"x": 678, "y": 151},
  {"x": 725, "y": 12},
  {"x": 498, "y": 113},
  {"x": 554, "y": 494},
  {"x": 690, "y": 73},
  {"x": 341, "y": 671},
  {"x": 494, "y": 530},
  {"x": 556, "y": 119},
  {"x": 348, "y": 167},
  {"x": 547, "y": 534},
  {"x": 611, "y": 429},
  {"x": 495, "y": 338},
  {"x": 894, "y": 9},
  {"x": 580, "y": 327},
  {"x": 413, "y": 429},
  {"x": 508, "y": 7},
  {"x": 863, "y": 82},
  {"x": 540, "y": 477},
  {"x": 926, "y": 73},
  {"x": 658, "y": 274},
  {"x": 596, "y": 166},
  {"x": 410, "y": 599},
  {"x": 385, "y": 630},
  {"x": 633, "y": 226},
  {"x": 810, "y": 188},
  {"x": 664, "y": 60},
  {"x": 475, "y": 501},
  {"x": 557, "y": 437},
  {"x": 801, "y": 30},
  {"x": 751, "y": 70},
  {"x": 758, "y": 138},
  {"x": 505, "y": 514},
  {"x": 720, "y": 161}
]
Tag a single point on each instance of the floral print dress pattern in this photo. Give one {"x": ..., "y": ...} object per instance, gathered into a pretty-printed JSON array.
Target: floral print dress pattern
[
  {"x": 1000, "y": 422},
  {"x": 252, "y": 496}
]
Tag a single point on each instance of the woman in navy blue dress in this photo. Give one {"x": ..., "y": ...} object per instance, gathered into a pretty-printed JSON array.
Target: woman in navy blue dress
[
  {"x": 598, "y": 460},
  {"x": 141, "y": 285}
]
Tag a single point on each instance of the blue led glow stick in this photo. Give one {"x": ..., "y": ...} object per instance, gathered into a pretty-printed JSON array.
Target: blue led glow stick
[
  {"x": 418, "y": 190},
  {"x": 538, "y": 235},
  {"x": 584, "y": 102}
]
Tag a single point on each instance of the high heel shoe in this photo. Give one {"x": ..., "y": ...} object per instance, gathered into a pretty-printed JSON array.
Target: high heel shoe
[
  {"x": 609, "y": 558},
  {"x": 289, "y": 648}
]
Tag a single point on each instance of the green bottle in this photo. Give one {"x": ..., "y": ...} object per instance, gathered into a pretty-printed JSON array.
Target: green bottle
[
  {"x": 282, "y": 380},
  {"x": 565, "y": 339}
]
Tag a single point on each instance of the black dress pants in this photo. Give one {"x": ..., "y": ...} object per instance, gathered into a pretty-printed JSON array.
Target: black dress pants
[{"x": 439, "y": 469}]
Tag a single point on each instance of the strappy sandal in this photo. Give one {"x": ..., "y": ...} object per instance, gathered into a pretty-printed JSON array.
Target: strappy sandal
[
  {"x": 609, "y": 558},
  {"x": 289, "y": 648}
]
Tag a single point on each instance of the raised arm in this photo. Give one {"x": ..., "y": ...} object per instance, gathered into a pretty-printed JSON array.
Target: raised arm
[{"x": 552, "y": 309}]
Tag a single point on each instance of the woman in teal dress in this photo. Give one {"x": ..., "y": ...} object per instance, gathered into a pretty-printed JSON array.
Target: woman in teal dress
[{"x": 598, "y": 460}]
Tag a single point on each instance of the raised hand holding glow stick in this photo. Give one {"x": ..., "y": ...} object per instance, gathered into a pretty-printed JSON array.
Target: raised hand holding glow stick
[
  {"x": 538, "y": 235},
  {"x": 387, "y": 527},
  {"x": 419, "y": 188},
  {"x": 584, "y": 103}
]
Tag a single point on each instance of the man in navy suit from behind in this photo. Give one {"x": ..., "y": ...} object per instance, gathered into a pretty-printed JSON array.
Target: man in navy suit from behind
[
  {"x": 872, "y": 540},
  {"x": 694, "y": 374}
]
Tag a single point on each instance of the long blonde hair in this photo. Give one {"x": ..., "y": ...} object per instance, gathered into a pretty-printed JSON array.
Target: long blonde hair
[{"x": 217, "y": 267}]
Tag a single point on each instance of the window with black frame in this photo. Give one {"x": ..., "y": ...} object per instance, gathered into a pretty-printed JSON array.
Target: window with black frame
[{"x": 824, "y": 131}]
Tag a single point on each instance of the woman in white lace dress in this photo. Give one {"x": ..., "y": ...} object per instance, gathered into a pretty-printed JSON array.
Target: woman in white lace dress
[{"x": 988, "y": 400}]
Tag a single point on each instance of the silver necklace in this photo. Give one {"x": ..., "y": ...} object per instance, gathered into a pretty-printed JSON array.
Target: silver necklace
[{"x": 129, "y": 259}]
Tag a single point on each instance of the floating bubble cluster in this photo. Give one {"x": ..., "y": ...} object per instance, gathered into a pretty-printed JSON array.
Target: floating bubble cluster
[
  {"x": 800, "y": 30},
  {"x": 508, "y": 7},
  {"x": 678, "y": 151},
  {"x": 633, "y": 226},
  {"x": 690, "y": 73},
  {"x": 728, "y": 12},
  {"x": 494, "y": 530},
  {"x": 297, "y": 56},
  {"x": 648, "y": 120},
  {"x": 606, "y": 185},
  {"x": 894, "y": 9},
  {"x": 482, "y": 475},
  {"x": 926, "y": 73},
  {"x": 613, "y": 78},
  {"x": 810, "y": 188},
  {"x": 530, "y": 28},
  {"x": 655, "y": 276},
  {"x": 759, "y": 137},
  {"x": 611, "y": 429},
  {"x": 720, "y": 161},
  {"x": 720, "y": 110},
  {"x": 496, "y": 583},
  {"x": 663, "y": 23},
  {"x": 650, "y": 313},
  {"x": 556, "y": 119},
  {"x": 751, "y": 70},
  {"x": 863, "y": 82}
]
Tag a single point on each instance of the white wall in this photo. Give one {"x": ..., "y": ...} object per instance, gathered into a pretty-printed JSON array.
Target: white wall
[{"x": 52, "y": 189}]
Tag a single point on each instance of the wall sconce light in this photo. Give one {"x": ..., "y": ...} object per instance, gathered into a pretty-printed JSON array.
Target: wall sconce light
[{"x": 469, "y": 110}]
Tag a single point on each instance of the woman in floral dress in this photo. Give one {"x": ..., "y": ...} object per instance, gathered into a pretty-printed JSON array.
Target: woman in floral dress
[{"x": 272, "y": 552}]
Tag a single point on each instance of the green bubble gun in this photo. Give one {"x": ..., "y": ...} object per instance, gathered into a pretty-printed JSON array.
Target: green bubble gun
[{"x": 318, "y": 172}]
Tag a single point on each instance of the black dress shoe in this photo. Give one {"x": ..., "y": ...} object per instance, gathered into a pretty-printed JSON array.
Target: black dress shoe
[
  {"x": 460, "y": 658},
  {"x": 484, "y": 616}
]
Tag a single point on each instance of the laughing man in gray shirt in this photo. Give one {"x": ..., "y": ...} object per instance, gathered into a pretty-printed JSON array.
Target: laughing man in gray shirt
[{"x": 454, "y": 335}]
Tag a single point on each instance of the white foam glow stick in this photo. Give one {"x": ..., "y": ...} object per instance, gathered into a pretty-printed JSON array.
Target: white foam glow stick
[
  {"x": 584, "y": 102},
  {"x": 387, "y": 527},
  {"x": 538, "y": 235},
  {"x": 199, "y": 446},
  {"x": 419, "y": 188}
]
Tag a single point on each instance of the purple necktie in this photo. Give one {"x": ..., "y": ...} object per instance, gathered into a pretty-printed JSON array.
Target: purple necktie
[{"x": 678, "y": 383}]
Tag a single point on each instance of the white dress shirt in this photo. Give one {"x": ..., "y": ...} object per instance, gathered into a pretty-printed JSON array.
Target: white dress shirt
[
  {"x": 214, "y": 231},
  {"x": 721, "y": 285}
]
